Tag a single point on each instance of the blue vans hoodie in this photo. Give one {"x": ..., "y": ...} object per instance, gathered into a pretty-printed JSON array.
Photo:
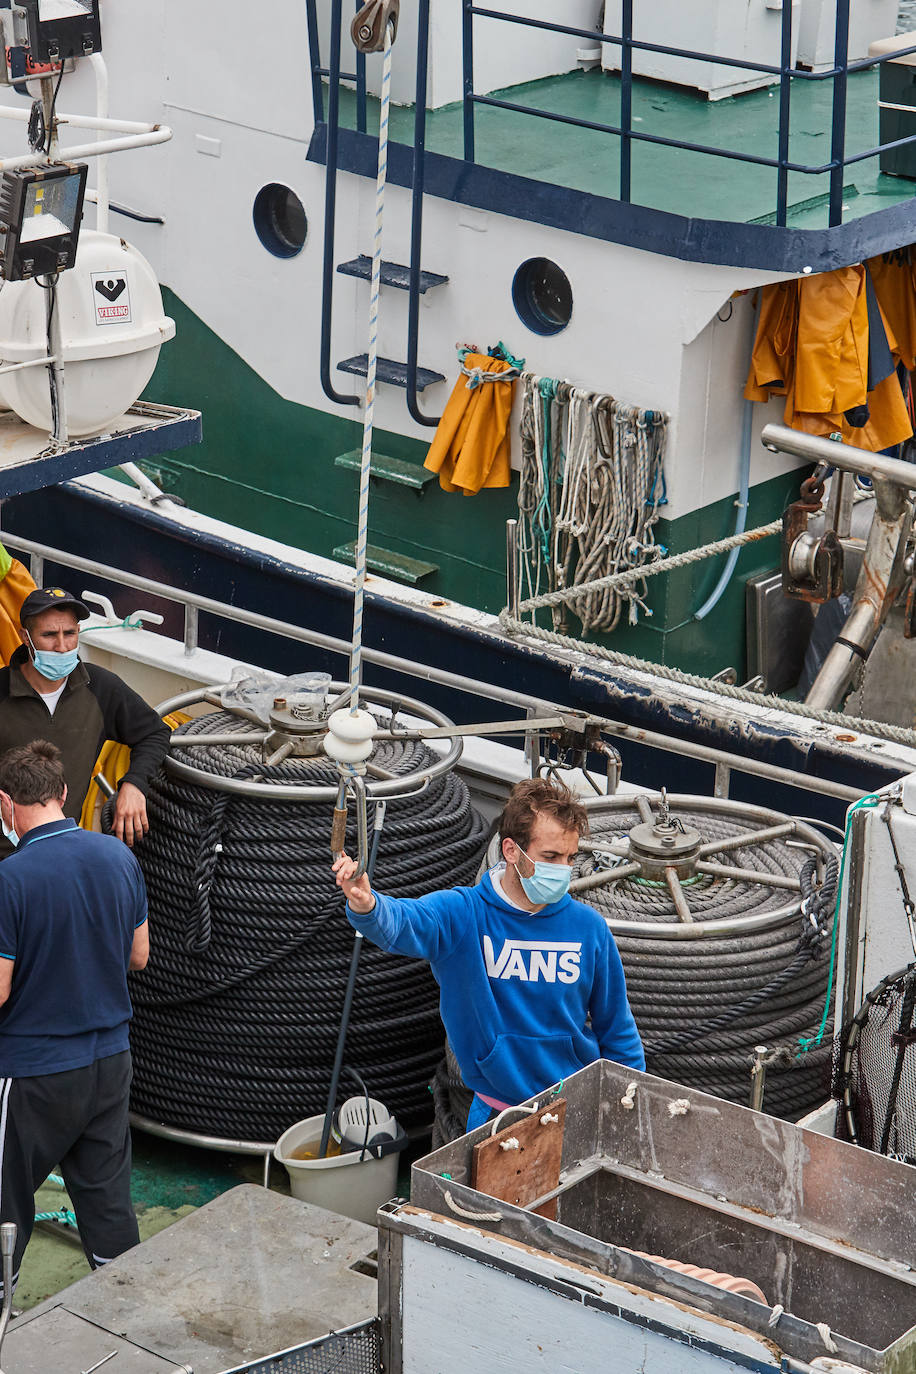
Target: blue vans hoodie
[{"x": 527, "y": 998}]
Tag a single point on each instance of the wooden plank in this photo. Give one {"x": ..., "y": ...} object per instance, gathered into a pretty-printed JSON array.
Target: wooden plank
[{"x": 519, "y": 1175}]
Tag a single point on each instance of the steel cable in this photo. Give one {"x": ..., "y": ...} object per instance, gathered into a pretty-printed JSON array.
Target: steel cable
[
  {"x": 703, "y": 1005},
  {"x": 236, "y": 1015}
]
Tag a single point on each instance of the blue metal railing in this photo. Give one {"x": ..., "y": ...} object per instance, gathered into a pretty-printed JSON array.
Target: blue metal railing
[
  {"x": 785, "y": 73},
  {"x": 782, "y": 164}
]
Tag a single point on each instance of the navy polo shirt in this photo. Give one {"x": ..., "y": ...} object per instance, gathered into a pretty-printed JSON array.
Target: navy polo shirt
[{"x": 70, "y": 901}]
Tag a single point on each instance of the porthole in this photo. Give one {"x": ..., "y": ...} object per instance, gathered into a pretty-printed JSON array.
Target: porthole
[
  {"x": 542, "y": 296},
  {"x": 279, "y": 220}
]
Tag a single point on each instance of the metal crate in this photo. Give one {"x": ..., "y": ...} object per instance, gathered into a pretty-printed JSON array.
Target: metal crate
[{"x": 355, "y": 1350}]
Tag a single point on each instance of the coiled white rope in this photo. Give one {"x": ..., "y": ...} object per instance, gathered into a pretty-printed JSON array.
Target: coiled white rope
[{"x": 362, "y": 530}]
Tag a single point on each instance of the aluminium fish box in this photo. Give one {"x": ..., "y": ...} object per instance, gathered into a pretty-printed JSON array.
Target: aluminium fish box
[{"x": 823, "y": 1228}]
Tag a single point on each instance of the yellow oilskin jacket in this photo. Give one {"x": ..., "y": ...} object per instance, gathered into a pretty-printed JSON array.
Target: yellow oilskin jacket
[
  {"x": 471, "y": 446},
  {"x": 812, "y": 346},
  {"x": 14, "y": 588},
  {"x": 894, "y": 276}
]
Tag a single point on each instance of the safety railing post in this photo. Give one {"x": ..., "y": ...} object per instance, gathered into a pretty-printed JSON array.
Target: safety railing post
[
  {"x": 838, "y": 133},
  {"x": 416, "y": 217},
  {"x": 330, "y": 211},
  {"x": 785, "y": 107},
  {"x": 626, "y": 97},
  {"x": 311, "y": 20},
  {"x": 361, "y": 102},
  {"x": 467, "y": 62}
]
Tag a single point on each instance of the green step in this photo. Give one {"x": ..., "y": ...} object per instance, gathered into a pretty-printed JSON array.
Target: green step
[
  {"x": 389, "y": 564},
  {"x": 388, "y": 469}
]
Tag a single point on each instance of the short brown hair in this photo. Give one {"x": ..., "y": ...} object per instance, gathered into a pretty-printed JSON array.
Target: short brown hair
[
  {"x": 538, "y": 797},
  {"x": 32, "y": 774}
]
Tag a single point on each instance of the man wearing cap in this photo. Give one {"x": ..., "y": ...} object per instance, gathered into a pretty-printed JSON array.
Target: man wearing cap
[{"x": 48, "y": 693}]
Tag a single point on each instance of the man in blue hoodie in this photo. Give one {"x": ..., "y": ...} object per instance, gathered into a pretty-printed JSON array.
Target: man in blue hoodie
[{"x": 531, "y": 984}]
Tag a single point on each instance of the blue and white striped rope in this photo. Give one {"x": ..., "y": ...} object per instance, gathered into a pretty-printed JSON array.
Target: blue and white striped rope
[{"x": 362, "y": 532}]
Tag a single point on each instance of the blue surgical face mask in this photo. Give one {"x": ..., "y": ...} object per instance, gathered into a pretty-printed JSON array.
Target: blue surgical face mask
[
  {"x": 9, "y": 830},
  {"x": 547, "y": 884},
  {"x": 53, "y": 666}
]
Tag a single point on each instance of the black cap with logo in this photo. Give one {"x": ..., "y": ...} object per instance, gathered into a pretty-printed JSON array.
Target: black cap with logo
[{"x": 51, "y": 599}]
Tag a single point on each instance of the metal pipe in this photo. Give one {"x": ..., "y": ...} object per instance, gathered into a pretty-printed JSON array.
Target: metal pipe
[
  {"x": 84, "y": 150},
  {"x": 361, "y": 102},
  {"x": 7, "y": 1250},
  {"x": 812, "y": 449},
  {"x": 311, "y": 19},
  {"x": 416, "y": 219},
  {"x": 100, "y": 70},
  {"x": 512, "y": 583},
  {"x": 467, "y": 60},
  {"x": 838, "y": 129},
  {"x": 426, "y": 673},
  {"x": 785, "y": 106},
  {"x": 626, "y": 98},
  {"x": 190, "y": 630},
  {"x": 330, "y": 215},
  {"x": 146, "y": 485},
  {"x": 880, "y": 581},
  {"x": 758, "y": 1078},
  {"x": 773, "y": 832},
  {"x": 748, "y": 875},
  {"x": 78, "y": 121},
  {"x": 60, "y": 434}
]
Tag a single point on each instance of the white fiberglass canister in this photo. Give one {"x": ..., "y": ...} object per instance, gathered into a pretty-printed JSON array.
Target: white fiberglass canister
[{"x": 112, "y": 326}]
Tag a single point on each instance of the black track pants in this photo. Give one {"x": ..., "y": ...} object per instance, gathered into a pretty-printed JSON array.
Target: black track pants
[{"x": 77, "y": 1120}]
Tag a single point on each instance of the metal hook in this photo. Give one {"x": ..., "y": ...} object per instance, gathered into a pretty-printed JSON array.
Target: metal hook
[
  {"x": 370, "y": 25},
  {"x": 357, "y": 786}
]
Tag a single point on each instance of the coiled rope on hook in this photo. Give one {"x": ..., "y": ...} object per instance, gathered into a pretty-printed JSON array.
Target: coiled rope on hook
[{"x": 592, "y": 482}]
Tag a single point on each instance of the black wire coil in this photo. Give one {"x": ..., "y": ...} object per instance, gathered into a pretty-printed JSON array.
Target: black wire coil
[{"x": 237, "y": 1014}]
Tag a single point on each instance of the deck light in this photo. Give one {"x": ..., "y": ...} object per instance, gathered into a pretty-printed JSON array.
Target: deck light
[
  {"x": 40, "y": 212},
  {"x": 59, "y": 29}
]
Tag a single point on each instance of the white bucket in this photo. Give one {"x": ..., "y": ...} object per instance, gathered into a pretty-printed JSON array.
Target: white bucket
[{"x": 342, "y": 1183}]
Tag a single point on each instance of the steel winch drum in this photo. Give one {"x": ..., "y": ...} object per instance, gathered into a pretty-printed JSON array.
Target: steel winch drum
[
  {"x": 236, "y": 1016},
  {"x": 740, "y": 965}
]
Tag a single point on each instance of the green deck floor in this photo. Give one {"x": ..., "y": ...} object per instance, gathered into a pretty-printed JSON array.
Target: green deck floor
[{"x": 685, "y": 183}]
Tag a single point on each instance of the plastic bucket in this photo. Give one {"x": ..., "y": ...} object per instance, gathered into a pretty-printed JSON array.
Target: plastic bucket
[{"x": 344, "y": 1183}]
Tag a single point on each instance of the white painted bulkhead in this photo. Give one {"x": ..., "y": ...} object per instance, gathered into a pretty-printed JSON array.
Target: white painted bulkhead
[{"x": 643, "y": 329}]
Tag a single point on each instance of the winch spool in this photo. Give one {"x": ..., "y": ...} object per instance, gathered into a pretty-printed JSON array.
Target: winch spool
[
  {"x": 718, "y": 954},
  {"x": 236, "y": 1014}
]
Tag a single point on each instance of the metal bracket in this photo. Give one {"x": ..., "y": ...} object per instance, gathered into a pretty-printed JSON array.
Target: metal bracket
[
  {"x": 369, "y": 26},
  {"x": 812, "y": 569}
]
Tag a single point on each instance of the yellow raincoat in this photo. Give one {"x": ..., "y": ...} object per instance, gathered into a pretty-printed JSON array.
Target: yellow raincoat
[
  {"x": 894, "y": 276},
  {"x": 471, "y": 446},
  {"x": 812, "y": 347},
  {"x": 15, "y": 586}
]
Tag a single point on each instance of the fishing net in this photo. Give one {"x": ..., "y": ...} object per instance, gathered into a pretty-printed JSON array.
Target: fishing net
[{"x": 874, "y": 1076}]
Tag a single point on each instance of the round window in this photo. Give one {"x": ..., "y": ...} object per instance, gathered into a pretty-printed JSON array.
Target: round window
[
  {"x": 542, "y": 296},
  {"x": 279, "y": 220}
]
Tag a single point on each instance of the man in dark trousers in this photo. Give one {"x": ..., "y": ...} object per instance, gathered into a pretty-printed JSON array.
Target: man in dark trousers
[
  {"x": 48, "y": 693},
  {"x": 72, "y": 922}
]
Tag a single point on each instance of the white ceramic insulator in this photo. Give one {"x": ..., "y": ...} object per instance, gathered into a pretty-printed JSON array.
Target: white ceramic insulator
[{"x": 350, "y": 734}]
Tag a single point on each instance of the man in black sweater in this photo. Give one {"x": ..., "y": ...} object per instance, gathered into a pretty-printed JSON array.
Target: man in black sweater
[{"x": 47, "y": 693}]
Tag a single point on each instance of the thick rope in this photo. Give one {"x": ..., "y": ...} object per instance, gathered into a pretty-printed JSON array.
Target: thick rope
[
  {"x": 362, "y": 533},
  {"x": 670, "y": 564},
  {"x": 879, "y": 728}
]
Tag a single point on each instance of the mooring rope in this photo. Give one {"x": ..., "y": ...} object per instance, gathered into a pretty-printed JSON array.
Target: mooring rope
[
  {"x": 362, "y": 532},
  {"x": 669, "y": 564},
  {"x": 879, "y": 728}
]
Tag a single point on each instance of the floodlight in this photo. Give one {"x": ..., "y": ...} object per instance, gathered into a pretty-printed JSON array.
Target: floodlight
[
  {"x": 59, "y": 29},
  {"x": 40, "y": 213}
]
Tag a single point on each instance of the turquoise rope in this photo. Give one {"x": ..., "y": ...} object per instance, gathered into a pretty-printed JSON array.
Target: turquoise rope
[
  {"x": 543, "y": 515},
  {"x": 806, "y": 1043}
]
